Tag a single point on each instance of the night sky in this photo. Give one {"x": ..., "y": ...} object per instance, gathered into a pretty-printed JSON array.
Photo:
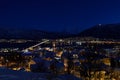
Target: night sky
[{"x": 59, "y": 15}]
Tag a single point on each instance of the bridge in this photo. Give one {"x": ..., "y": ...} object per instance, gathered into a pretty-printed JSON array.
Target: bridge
[{"x": 31, "y": 47}]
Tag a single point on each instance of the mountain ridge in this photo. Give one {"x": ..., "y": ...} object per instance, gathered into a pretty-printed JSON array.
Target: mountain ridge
[
  {"x": 105, "y": 31},
  {"x": 24, "y": 33}
]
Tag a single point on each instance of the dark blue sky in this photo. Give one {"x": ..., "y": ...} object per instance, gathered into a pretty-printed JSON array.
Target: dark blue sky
[{"x": 59, "y": 15}]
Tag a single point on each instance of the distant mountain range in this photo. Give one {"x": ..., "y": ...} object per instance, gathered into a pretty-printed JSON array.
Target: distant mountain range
[
  {"x": 19, "y": 33},
  {"x": 107, "y": 31}
]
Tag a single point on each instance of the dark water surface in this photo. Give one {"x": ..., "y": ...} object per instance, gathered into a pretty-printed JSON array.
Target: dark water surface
[{"x": 17, "y": 45}]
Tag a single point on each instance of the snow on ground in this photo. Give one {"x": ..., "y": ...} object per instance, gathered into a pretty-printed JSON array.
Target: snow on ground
[{"x": 7, "y": 74}]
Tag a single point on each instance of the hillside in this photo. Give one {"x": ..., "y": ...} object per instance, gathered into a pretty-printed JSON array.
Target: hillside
[
  {"x": 19, "y": 33},
  {"x": 108, "y": 31}
]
